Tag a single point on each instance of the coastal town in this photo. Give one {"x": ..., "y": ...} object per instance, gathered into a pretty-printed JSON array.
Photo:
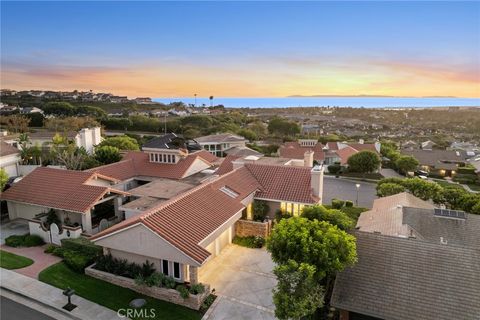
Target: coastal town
[{"x": 239, "y": 160}]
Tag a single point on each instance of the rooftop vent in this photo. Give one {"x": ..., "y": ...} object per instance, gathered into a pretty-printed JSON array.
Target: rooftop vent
[
  {"x": 443, "y": 241},
  {"x": 446, "y": 213}
]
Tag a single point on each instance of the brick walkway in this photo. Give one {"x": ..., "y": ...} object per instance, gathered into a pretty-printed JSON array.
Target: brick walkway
[{"x": 41, "y": 260}]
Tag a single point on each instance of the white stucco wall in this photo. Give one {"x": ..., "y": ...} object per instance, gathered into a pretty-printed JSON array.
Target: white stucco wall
[
  {"x": 197, "y": 166},
  {"x": 10, "y": 164},
  {"x": 23, "y": 211}
]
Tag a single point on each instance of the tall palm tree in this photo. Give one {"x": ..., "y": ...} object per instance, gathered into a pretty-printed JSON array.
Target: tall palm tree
[{"x": 211, "y": 101}]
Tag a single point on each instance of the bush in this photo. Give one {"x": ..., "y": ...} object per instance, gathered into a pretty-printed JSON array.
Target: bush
[
  {"x": 197, "y": 288},
  {"x": 83, "y": 246},
  {"x": 348, "y": 204},
  {"x": 148, "y": 268},
  {"x": 26, "y": 240},
  {"x": 184, "y": 293},
  {"x": 208, "y": 302},
  {"x": 50, "y": 248},
  {"x": 280, "y": 214},
  {"x": 153, "y": 280},
  {"x": 337, "y": 203},
  {"x": 334, "y": 169},
  {"x": 58, "y": 251},
  {"x": 169, "y": 282},
  {"x": 249, "y": 242},
  {"x": 75, "y": 261},
  {"x": 260, "y": 210}
]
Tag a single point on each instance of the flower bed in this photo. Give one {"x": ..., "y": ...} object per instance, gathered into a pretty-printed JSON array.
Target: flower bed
[{"x": 193, "y": 301}]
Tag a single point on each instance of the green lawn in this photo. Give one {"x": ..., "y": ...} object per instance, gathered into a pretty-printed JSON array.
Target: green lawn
[
  {"x": 12, "y": 261},
  {"x": 109, "y": 295}
]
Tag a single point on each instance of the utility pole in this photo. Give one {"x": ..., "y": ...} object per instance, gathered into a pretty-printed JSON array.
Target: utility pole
[
  {"x": 195, "y": 100},
  {"x": 165, "y": 123}
]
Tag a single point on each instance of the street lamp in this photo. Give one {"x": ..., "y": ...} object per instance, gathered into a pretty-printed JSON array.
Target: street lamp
[{"x": 358, "y": 188}]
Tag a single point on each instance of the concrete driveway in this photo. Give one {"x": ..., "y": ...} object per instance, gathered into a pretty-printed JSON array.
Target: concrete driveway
[
  {"x": 9, "y": 228},
  {"x": 243, "y": 280},
  {"x": 340, "y": 188}
]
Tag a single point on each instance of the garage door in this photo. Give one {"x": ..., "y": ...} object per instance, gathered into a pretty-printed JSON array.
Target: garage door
[{"x": 224, "y": 239}]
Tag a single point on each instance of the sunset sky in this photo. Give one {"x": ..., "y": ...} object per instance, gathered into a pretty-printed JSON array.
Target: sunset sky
[{"x": 250, "y": 49}]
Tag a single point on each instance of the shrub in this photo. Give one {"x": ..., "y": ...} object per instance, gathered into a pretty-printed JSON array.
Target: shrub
[
  {"x": 334, "y": 169},
  {"x": 83, "y": 246},
  {"x": 50, "y": 248},
  {"x": 75, "y": 261},
  {"x": 197, "y": 288},
  {"x": 337, "y": 203},
  {"x": 249, "y": 242},
  {"x": 184, "y": 293},
  {"x": 208, "y": 302},
  {"x": 169, "y": 282},
  {"x": 58, "y": 251},
  {"x": 154, "y": 280},
  {"x": 148, "y": 268},
  {"x": 53, "y": 218},
  {"x": 280, "y": 214},
  {"x": 26, "y": 240},
  {"x": 260, "y": 210}
]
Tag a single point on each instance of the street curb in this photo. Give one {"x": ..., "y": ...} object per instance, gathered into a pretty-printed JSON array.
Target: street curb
[
  {"x": 48, "y": 306},
  {"x": 207, "y": 314}
]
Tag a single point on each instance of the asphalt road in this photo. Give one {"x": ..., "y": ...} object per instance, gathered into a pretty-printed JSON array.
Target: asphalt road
[
  {"x": 11, "y": 310},
  {"x": 336, "y": 188}
]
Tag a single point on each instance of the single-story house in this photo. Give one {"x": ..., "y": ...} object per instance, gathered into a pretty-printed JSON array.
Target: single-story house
[
  {"x": 415, "y": 261},
  {"x": 217, "y": 144},
  {"x": 441, "y": 162}
]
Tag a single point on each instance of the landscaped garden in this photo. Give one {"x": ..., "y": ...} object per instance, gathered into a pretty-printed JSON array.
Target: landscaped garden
[
  {"x": 12, "y": 261},
  {"x": 109, "y": 295}
]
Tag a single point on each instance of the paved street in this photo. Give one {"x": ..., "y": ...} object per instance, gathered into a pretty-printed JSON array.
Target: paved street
[
  {"x": 346, "y": 190},
  {"x": 12, "y": 310}
]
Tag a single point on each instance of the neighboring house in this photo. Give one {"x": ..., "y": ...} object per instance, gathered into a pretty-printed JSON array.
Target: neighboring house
[
  {"x": 414, "y": 262},
  {"x": 217, "y": 144},
  {"x": 183, "y": 233},
  {"x": 80, "y": 199},
  {"x": 142, "y": 100},
  {"x": 9, "y": 159},
  {"x": 470, "y": 149},
  {"x": 331, "y": 153},
  {"x": 86, "y": 138},
  {"x": 409, "y": 145},
  {"x": 243, "y": 152},
  {"x": 441, "y": 162},
  {"x": 313, "y": 129},
  {"x": 29, "y": 110},
  {"x": 428, "y": 145}
]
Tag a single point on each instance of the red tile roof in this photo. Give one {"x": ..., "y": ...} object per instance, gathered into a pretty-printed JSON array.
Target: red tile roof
[
  {"x": 57, "y": 188},
  {"x": 136, "y": 163},
  {"x": 293, "y": 150},
  {"x": 345, "y": 153},
  {"x": 227, "y": 164},
  {"x": 332, "y": 145},
  {"x": 189, "y": 218},
  {"x": 284, "y": 183}
]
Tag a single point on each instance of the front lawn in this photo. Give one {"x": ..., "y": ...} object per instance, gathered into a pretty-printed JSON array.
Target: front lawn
[
  {"x": 109, "y": 295},
  {"x": 12, "y": 261}
]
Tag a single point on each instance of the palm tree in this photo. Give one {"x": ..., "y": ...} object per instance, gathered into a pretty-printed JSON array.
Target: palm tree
[{"x": 211, "y": 101}]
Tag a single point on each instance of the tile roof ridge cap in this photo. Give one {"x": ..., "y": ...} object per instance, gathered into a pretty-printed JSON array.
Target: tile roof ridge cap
[{"x": 173, "y": 200}]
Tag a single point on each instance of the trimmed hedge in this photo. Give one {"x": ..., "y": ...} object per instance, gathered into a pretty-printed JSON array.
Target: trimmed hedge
[
  {"x": 337, "y": 203},
  {"x": 249, "y": 242},
  {"x": 83, "y": 246},
  {"x": 26, "y": 240}
]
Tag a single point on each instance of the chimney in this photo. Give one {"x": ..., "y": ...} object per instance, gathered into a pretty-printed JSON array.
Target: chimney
[
  {"x": 316, "y": 182},
  {"x": 308, "y": 158}
]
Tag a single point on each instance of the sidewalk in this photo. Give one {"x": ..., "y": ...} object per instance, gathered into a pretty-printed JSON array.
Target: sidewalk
[
  {"x": 52, "y": 297},
  {"x": 40, "y": 259}
]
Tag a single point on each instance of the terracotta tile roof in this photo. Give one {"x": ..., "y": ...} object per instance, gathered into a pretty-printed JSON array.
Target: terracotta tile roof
[
  {"x": 136, "y": 163},
  {"x": 293, "y": 150},
  {"x": 345, "y": 153},
  {"x": 284, "y": 183},
  {"x": 332, "y": 145},
  {"x": 227, "y": 165},
  {"x": 189, "y": 218},
  {"x": 57, "y": 188},
  {"x": 6, "y": 149}
]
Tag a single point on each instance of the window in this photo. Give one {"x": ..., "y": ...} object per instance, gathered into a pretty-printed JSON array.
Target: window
[
  {"x": 165, "y": 267},
  {"x": 229, "y": 192},
  {"x": 176, "y": 270}
]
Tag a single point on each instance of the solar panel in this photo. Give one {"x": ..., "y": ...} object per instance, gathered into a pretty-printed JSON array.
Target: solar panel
[{"x": 457, "y": 214}]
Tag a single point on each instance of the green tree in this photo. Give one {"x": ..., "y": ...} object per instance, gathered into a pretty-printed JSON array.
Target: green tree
[
  {"x": 248, "y": 134},
  {"x": 335, "y": 168},
  {"x": 333, "y": 216},
  {"x": 59, "y": 109},
  {"x": 107, "y": 154},
  {"x": 364, "y": 162},
  {"x": 405, "y": 164},
  {"x": 424, "y": 190},
  {"x": 283, "y": 127},
  {"x": 120, "y": 142},
  {"x": 317, "y": 243},
  {"x": 3, "y": 178},
  {"x": 298, "y": 293},
  {"x": 389, "y": 189},
  {"x": 90, "y": 111}
]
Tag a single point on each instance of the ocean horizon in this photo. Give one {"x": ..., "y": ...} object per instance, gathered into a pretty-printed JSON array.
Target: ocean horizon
[{"x": 354, "y": 102}]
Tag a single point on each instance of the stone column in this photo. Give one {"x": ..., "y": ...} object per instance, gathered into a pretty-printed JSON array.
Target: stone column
[
  {"x": 193, "y": 274},
  {"x": 87, "y": 222}
]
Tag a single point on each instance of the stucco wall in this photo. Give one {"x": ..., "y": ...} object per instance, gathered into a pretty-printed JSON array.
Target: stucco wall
[
  {"x": 197, "y": 166},
  {"x": 9, "y": 163},
  {"x": 142, "y": 241},
  {"x": 23, "y": 211}
]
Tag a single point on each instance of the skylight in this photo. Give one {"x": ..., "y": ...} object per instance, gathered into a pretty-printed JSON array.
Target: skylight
[{"x": 229, "y": 192}]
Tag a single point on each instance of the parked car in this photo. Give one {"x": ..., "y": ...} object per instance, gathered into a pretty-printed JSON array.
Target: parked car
[{"x": 421, "y": 173}]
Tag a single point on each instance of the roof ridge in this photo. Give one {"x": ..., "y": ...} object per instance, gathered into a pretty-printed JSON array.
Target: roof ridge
[{"x": 176, "y": 198}]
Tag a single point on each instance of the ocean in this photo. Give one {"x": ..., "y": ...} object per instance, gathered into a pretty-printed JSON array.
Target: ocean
[{"x": 355, "y": 102}]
